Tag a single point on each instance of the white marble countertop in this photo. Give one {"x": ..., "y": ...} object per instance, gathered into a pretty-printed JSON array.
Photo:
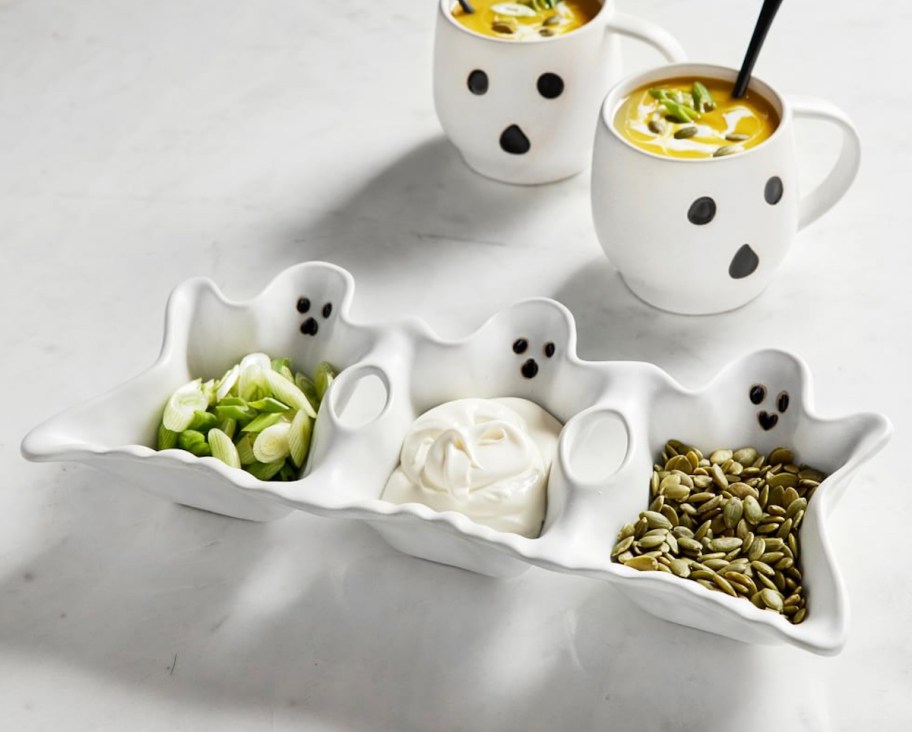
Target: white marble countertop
[{"x": 147, "y": 142}]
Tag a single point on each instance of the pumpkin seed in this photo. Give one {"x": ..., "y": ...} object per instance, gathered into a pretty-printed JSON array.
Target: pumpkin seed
[
  {"x": 656, "y": 520},
  {"x": 642, "y": 563},
  {"x": 771, "y": 599},
  {"x": 736, "y": 137},
  {"x": 732, "y": 512},
  {"x": 726, "y": 150},
  {"x": 622, "y": 546},
  {"x": 680, "y": 567},
  {"x": 781, "y": 455}
]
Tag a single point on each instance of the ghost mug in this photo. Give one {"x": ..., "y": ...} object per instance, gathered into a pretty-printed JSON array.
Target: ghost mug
[
  {"x": 523, "y": 111},
  {"x": 697, "y": 236}
]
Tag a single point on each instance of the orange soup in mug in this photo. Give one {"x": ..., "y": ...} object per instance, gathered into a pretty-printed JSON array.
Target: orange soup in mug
[
  {"x": 694, "y": 118},
  {"x": 525, "y": 20}
]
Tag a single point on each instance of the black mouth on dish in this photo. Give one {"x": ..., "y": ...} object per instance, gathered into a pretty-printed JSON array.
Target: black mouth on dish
[
  {"x": 514, "y": 141},
  {"x": 744, "y": 263},
  {"x": 529, "y": 368}
]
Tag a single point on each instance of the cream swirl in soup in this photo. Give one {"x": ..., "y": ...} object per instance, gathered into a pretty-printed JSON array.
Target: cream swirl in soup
[{"x": 488, "y": 459}]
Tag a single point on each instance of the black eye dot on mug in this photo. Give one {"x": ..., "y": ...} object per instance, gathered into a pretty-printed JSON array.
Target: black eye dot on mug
[
  {"x": 549, "y": 350},
  {"x": 772, "y": 191},
  {"x": 478, "y": 82},
  {"x": 520, "y": 345},
  {"x": 327, "y": 309},
  {"x": 702, "y": 211},
  {"x": 757, "y": 393},
  {"x": 303, "y": 305},
  {"x": 550, "y": 86},
  {"x": 782, "y": 401}
]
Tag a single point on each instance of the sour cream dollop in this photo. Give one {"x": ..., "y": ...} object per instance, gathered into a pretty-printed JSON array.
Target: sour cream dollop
[{"x": 486, "y": 458}]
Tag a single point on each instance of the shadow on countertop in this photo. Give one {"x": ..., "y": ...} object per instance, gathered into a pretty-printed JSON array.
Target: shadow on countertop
[{"x": 313, "y": 619}]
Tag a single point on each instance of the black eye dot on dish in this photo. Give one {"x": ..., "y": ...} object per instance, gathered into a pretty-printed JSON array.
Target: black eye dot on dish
[
  {"x": 772, "y": 191},
  {"x": 702, "y": 211},
  {"x": 757, "y": 393},
  {"x": 478, "y": 82},
  {"x": 327, "y": 309},
  {"x": 303, "y": 305},
  {"x": 529, "y": 368},
  {"x": 549, "y": 350},
  {"x": 550, "y": 86},
  {"x": 520, "y": 345},
  {"x": 310, "y": 327},
  {"x": 782, "y": 401}
]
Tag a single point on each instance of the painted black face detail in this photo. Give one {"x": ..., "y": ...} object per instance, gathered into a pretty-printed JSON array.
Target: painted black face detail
[
  {"x": 529, "y": 368},
  {"x": 768, "y": 420},
  {"x": 310, "y": 327},
  {"x": 478, "y": 82},
  {"x": 772, "y": 191},
  {"x": 303, "y": 305},
  {"x": 514, "y": 141},
  {"x": 702, "y": 211},
  {"x": 782, "y": 401},
  {"x": 744, "y": 263},
  {"x": 550, "y": 86},
  {"x": 757, "y": 393},
  {"x": 520, "y": 345},
  {"x": 327, "y": 309},
  {"x": 549, "y": 350}
]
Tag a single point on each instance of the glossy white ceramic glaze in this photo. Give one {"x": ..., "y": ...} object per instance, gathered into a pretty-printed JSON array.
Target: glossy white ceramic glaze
[{"x": 616, "y": 417}]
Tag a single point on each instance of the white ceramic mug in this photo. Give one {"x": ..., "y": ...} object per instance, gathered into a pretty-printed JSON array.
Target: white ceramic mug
[
  {"x": 641, "y": 200},
  {"x": 488, "y": 99}
]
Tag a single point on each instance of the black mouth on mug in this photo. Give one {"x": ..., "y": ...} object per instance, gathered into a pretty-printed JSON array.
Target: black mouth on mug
[
  {"x": 744, "y": 263},
  {"x": 514, "y": 141}
]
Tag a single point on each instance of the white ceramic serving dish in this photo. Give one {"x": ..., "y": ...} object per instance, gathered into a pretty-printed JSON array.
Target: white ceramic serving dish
[{"x": 616, "y": 415}]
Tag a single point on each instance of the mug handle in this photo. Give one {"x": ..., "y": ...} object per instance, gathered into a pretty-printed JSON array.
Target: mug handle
[
  {"x": 816, "y": 203},
  {"x": 649, "y": 33}
]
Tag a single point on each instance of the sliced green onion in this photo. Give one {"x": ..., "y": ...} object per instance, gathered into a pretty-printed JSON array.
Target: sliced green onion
[
  {"x": 194, "y": 442},
  {"x": 268, "y": 404},
  {"x": 228, "y": 382},
  {"x": 203, "y": 421},
  {"x": 228, "y": 426},
  {"x": 262, "y": 422},
  {"x": 288, "y": 472},
  {"x": 299, "y": 437},
  {"x": 280, "y": 363},
  {"x": 182, "y": 404},
  {"x": 245, "y": 449},
  {"x": 166, "y": 439},
  {"x": 306, "y": 384},
  {"x": 702, "y": 98},
  {"x": 230, "y": 411},
  {"x": 323, "y": 377},
  {"x": 272, "y": 443},
  {"x": 265, "y": 471},
  {"x": 285, "y": 391},
  {"x": 223, "y": 448}
]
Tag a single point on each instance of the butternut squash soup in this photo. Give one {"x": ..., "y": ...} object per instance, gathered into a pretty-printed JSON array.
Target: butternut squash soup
[
  {"x": 525, "y": 20},
  {"x": 688, "y": 118}
]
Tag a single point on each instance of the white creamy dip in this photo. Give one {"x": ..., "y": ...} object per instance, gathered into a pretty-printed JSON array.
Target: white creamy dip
[{"x": 486, "y": 458}]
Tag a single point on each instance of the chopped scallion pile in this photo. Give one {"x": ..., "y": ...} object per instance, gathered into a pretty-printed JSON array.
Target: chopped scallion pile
[{"x": 258, "y": 417}]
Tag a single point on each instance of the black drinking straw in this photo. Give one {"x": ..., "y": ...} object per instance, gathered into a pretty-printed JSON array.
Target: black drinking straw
[
  {"x": 767, "y": 13},
  {"x": 466, "y": 7}
]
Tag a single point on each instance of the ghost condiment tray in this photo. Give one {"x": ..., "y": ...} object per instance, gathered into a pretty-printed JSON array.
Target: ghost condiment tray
[{"x": 616, "y": 417}]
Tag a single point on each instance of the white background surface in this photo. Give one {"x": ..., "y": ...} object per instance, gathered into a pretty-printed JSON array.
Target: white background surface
[{"x": 142, "y": 143}]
